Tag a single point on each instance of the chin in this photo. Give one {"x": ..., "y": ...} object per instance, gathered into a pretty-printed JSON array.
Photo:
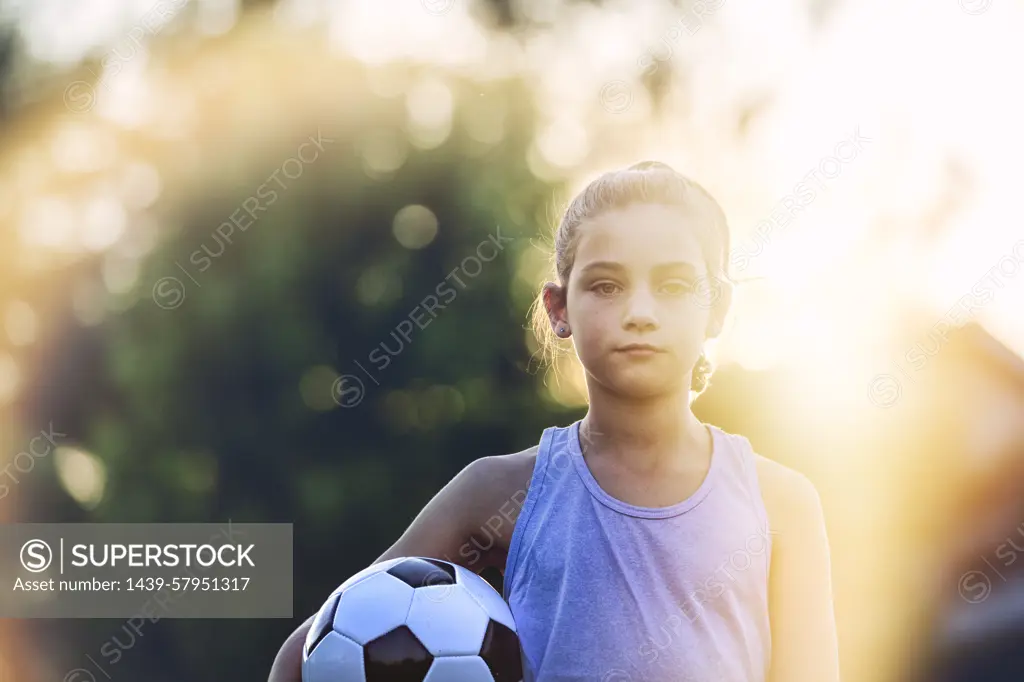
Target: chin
[{"x": 643, "y": 383}]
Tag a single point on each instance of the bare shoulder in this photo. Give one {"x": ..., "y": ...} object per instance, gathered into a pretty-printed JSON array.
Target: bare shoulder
[
  {"x": 498, "y": 478},
  {"x": 517, "y": 463},
  {"x": 498, "y": 485},
  {"x": 790, "y": 498},
  {"x": 803, "y": 629}
]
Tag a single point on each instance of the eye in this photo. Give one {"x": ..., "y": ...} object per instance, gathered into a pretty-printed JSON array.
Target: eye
[
  {"x": 677, "y": 287},
  {"x": 606, "y": 288}
]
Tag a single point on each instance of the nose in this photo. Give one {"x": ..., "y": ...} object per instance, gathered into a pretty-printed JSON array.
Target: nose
[{"x": 640, "y": 312}]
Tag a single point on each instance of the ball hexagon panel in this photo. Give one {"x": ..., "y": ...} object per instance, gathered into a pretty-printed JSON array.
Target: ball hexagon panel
[
  {"x": 459, "y": 669},
  {"x": 447, "y": 620},
  {"x": 397, "y": 655},
  {"x": 335, "y": 657},
  {"x": 500, "y": 651},
  {"x": 491, "y": 601},
  {"x": 372, "y": 607}
]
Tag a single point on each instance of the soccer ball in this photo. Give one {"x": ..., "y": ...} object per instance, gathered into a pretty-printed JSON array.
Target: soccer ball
[{"x": 413, "y": 619}]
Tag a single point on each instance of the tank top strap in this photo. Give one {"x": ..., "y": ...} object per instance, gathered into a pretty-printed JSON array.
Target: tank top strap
[
  {"x": 552, "y": 458},
  {"x": 742, "y": 462}
]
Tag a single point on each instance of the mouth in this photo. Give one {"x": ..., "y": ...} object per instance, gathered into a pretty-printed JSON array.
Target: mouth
[{"x": 639, "y": 349}]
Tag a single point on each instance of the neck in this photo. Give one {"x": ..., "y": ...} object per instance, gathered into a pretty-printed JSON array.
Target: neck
[{"x": 646, "y": 435}]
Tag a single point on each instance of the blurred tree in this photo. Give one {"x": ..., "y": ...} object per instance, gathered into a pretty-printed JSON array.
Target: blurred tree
[{"x": 222, "y": 408}]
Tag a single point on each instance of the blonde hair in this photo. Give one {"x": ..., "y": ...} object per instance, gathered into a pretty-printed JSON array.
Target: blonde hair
[{"x": 645, "y": 182}]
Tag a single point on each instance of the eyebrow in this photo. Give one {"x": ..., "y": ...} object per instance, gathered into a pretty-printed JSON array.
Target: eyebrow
[
  {"x": 602, "y": 265},
  {"x": 659, "y": 268}
]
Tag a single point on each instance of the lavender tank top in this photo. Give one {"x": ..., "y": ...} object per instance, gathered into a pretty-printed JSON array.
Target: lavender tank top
[{"x": 605, "y": 591}]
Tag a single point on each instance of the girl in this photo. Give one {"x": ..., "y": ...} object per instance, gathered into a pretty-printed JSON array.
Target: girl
[{"x": 638, "y": 543}]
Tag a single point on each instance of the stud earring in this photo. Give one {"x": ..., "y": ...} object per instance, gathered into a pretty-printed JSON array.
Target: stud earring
[{"x": 561, "y": 331}]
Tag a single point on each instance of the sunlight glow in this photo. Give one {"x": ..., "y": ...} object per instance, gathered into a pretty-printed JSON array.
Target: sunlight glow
[
  {"x": 21, "y": 323},
  {"x": 10, "y": 378},
  {"x": 48, "y": 221}
]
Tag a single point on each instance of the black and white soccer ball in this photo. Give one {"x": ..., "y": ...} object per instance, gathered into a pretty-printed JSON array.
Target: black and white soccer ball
[{"x": 413, "y": 619}]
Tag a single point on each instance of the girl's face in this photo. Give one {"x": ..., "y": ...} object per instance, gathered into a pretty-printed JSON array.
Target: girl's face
[{"x": 637, "y": 299}]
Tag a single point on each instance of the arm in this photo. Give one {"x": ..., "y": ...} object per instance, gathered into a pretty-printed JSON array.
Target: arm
[
  {"x": 804, "y": 642},
  {"x": 453, "y": 516}
]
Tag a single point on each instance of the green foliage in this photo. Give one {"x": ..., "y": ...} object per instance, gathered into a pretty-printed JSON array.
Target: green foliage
[{"x": 215, "y": 409}]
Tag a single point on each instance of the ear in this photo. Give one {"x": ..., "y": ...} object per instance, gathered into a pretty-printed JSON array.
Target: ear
[
  {"x": 555, "y": 304},
  {"x": 722, "y": 300}
]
